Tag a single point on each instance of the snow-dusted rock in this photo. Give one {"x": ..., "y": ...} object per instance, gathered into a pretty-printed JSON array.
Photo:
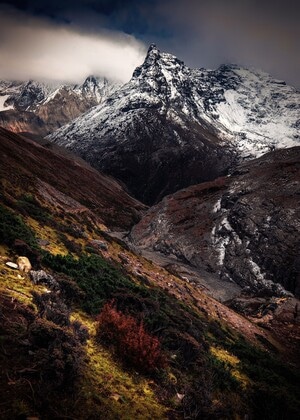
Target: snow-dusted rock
[
  {"x": 41, "y": 108},
  {"x": 41, "y": 277},
  {"x": 241, "y": 229}
]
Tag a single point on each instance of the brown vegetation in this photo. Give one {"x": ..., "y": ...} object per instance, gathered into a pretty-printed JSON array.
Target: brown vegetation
[{"x": 130, "y": 339}]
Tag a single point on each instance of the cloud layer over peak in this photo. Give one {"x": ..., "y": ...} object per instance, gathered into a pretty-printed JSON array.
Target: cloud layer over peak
[{"x": 34, "y": 47}]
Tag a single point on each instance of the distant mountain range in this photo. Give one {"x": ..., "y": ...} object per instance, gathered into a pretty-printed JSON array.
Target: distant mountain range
[
  {"x": 167, "y": 128},
  {"x": 38, "y": 108}
]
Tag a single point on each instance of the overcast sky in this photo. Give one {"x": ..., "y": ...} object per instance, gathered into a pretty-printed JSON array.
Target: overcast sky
[{"x": 69, "y": 39}]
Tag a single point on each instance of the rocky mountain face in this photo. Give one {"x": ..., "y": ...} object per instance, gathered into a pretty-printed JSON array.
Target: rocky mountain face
[
  {"x": 244, "y": 228},
  {"x": 66, "y": 183},
  {"x": 172, "y": 126},
  {"x": 144, "y": 135},
  {"x": 41, "y": 109},
  {"x": 28, "y": 96}
]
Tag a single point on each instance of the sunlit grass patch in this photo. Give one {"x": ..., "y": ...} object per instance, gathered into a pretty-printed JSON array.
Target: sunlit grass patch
[
  {"x": 232, "y": 363},
  {"x": 109, "y": 389},
  {"x": 18, "y": 285}
]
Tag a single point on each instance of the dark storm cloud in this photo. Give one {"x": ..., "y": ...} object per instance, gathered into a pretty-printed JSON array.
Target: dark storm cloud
[
  {"x": 113, "y": 12},
  {"x": 263, "y": 34}
]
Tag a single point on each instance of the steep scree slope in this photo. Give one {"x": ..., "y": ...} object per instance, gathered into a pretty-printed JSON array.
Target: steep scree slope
[{"x": 245, "y": 227}]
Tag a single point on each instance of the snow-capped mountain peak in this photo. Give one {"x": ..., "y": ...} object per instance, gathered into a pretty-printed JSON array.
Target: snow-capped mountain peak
[
  {"x": 96, "y": 88},
  {"x": 29, "y": 95},
  {"x": 261, "y": 112},
  {"x": 210, "y": 116},
  {"x": 207, "y": 118},
  {"x": 161, "y": 74}
]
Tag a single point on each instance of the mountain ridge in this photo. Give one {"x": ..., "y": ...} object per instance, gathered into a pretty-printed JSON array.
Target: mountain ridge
[
  {"x": 61, "y": 177},
  {"x": 168, "y": 113}
]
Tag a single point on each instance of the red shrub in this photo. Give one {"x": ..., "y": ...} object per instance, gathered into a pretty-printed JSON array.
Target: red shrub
[{"x": 130, "y": 340}]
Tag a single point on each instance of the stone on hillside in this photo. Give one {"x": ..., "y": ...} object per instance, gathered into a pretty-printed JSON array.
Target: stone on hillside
[
  {"x": 22, "y": 248},
  {"x": 43, "y": 242},
  {"x": 24, "y": 264},
  {"x": 11, "y": 265},
  {"x": 99, "y": 244}
]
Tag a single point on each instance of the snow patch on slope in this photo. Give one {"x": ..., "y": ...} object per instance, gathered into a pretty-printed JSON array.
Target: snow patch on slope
[
  {"x": 2, "y": 103},
  {"x": 263, "y": 113}
]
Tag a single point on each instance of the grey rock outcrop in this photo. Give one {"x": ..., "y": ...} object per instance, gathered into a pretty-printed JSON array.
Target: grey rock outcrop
[{"x": 41, "y": 277}]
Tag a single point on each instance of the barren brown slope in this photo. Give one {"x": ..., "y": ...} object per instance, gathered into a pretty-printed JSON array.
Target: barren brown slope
[
  {"x": 63, "y": 181},
  {"x": 23, "y": 122}
]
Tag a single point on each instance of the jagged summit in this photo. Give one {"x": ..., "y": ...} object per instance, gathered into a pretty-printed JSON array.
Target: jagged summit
[
  {"x": 160, "y": 68},
  {"x": 30, "y": 95},
  {"x": 153, "y": 50}
]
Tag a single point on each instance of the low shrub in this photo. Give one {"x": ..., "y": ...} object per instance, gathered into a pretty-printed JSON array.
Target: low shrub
[
  {"x": 51, "y": 307},
  {"x": 70, "y": 245},
  {"x": 80, "y": 331},
  {"x": 12, "y": 227},
  {"x": 69, "y": 290},
  {"x": 58, "y": 355},
  {"x": 96, "y": 277},
  {"x": 29, "y": 206},
  {"x": 130, "y": 339}
]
